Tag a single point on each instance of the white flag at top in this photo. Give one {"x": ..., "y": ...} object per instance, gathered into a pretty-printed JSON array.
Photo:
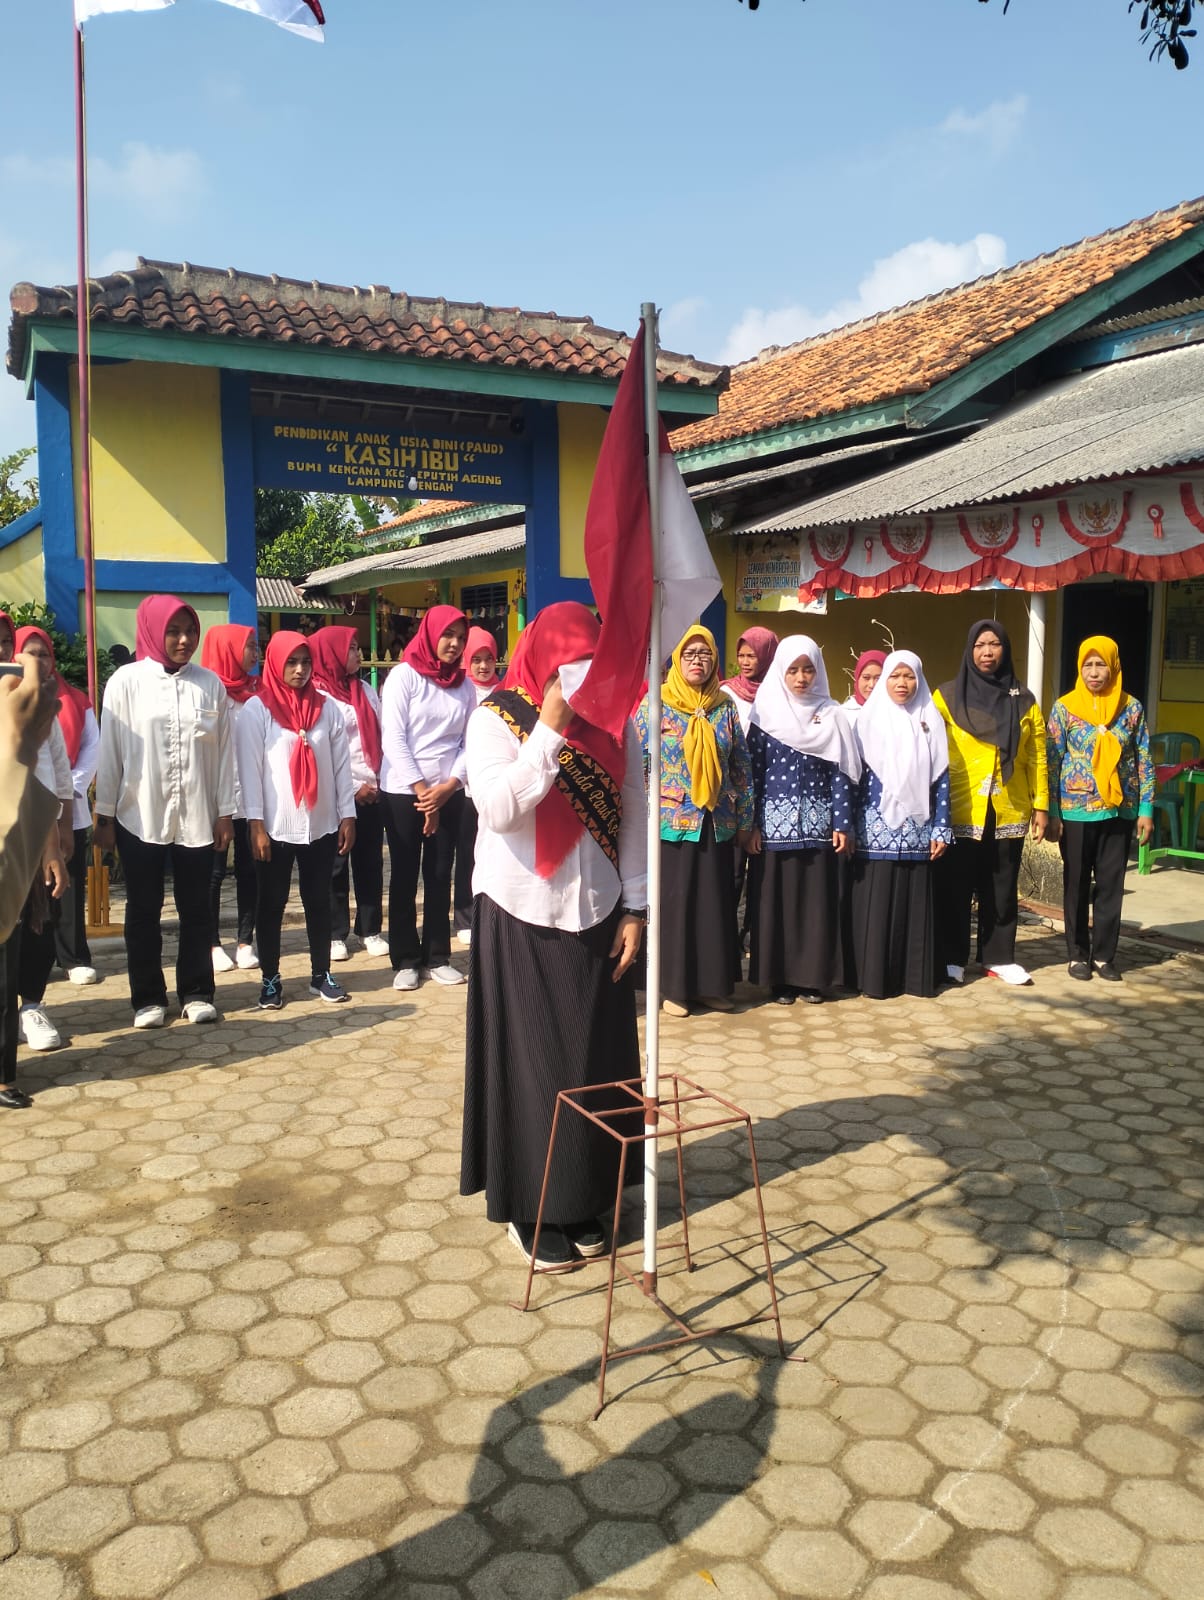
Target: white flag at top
[
  {"x": 298, "y": 16},
  {"x": 96, "y": 8}
]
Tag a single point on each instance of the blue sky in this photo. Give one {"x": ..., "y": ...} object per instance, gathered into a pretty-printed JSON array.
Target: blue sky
[{"x": 760, "y": 175}]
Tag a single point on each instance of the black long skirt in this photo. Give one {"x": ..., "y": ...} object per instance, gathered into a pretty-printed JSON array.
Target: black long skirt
[
  {"x": 543, "y": 1015},
  {"x": 796, "y": 937},
  {"x": 699, "y": 939},
  {"x": 893, "y": 928}
]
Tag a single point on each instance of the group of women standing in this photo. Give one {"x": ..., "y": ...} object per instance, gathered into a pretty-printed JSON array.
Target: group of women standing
[{"x": 868, "y": 829}]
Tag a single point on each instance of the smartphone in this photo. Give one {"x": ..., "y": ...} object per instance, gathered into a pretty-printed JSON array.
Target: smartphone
[{"x": 11, "y": 669}]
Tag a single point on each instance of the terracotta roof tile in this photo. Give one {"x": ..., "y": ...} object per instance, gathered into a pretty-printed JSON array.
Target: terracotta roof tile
[
  {"x": 187, "y": 300},
  {"x": 908, "y": 350}
]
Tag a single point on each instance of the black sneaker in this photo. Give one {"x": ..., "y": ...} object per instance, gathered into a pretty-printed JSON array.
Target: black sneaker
[
  {"x": 323, "y": 987},
  {"x": 271, "y": 994},
  {"x": 782, "y": 994},
  {"x": 1080, "y": 970},
  {"x": 1106, "y": 971},
  {"x": 14, "y": 1099},
  {"x": 554, "y": 1249},
  {"x": 587, "y": 1238}
]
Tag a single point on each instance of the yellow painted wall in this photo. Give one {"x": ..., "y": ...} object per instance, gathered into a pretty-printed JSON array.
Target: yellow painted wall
[
  {"x": 158, "y": 487},
  {"x": 115, "y": 615},
  {"x": 22, "y": 573},
  {"x": 581, "y": 429},
  {"x": 509, "y": 577},
  {"x": 1179, "y": 716}
]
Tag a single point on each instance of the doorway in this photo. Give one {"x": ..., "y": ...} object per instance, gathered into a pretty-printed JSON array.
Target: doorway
[{"x": 1120, "y": 611}]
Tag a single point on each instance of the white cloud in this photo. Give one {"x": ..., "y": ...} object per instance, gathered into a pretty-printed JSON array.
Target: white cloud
[
  {"x": 918, "y": 269},
  {"x": 679, "y": 322},
  {"x": 154, "y": 183},
  {"x": 997, "y": 125}
]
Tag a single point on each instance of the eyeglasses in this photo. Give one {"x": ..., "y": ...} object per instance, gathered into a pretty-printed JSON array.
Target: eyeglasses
[{"x": 699, "y": 656}]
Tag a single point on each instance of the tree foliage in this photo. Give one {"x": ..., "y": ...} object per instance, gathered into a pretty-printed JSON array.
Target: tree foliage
[
  {"x": 296, "y": 534},
  {"x": 1164, "y": 25},
  {"x": 16, "y": 497},
  {"x": 70, "y": 649}
]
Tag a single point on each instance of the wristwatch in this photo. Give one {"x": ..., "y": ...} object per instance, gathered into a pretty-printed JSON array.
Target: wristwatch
[{"x": 640, "y": 913}]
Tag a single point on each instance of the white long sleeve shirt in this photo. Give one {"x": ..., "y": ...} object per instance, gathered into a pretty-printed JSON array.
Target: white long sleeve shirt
[
  {"x": 422, "y": 730},
  {"x": 53, "y": 767},
  {"x": 264, "y": 749},
  {"x": 166, "y": 767},
  {"x": 361, "y": 770},
  {"x": 508, "y": 780},
  {"x": 743, "y": 709},
  {"x": 83, "y": 772}
]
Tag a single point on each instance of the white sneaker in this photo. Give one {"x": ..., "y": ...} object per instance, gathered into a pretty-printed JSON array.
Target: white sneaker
[
  {"x": 221, "y": 961},
  {"x": 405, "y": 978},
  {"x": 446, "y": 975},
  {"x": 247, "y": 958},
  {"x": 1011, "y": 973},
  {"x": 200, "y": 1011},
  {"x": 376, "y": 945},
  {"x": 36, "y": 1028},
  {"x": 338, "y": 950},
  {"x": 150, "y": 1017},
  {"x": 465, "y": 936},
  {"x": 956, "y": 974},
  {"x": 82, "y": 975}
]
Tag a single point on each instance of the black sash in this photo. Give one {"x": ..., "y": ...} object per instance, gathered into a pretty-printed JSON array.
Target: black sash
[{"x": 593, "y": 794}]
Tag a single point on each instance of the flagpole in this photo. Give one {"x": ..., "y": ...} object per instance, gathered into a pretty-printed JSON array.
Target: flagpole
[
  {"x": 652, "y": 987},
  {"x": 84, "y": 341}
]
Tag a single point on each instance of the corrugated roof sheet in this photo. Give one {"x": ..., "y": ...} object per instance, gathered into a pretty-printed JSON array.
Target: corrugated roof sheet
[
  {"x": 1144, "y": 415},
  {"x": 908, "y": 350},
  {"x": 278, "y": 594},
  {"x": 426, "y": 559}
]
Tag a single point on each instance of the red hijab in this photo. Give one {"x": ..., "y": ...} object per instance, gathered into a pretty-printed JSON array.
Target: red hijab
[
  {"x": 75, "y": 703},
  {"x": 296, "y": 710},
  {"x": 155, "y": 612},
  {"x": 222, "y": 652},
  {"x": 762, "y": 642},
  {"x": 330, "y": 648},
  {"x": 865, "y": 659},
  {"x": 420, "y": 652},
  {"x": 557, "y": 635}
]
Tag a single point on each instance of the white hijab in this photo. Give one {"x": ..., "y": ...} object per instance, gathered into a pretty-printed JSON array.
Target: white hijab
[
  {"x": 812, "y": 724},
  {"x": 905, "y": 745}
]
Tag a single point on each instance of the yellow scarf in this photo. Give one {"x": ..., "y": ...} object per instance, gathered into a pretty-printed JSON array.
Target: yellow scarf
[
  {"x": 700, "y": 747},
  {"x": 1102, "y": 710}
]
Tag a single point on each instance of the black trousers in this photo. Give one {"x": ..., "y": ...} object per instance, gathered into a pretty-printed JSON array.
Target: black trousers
[
  {"x": 366, "y": 864},
  {"x": 70, "y": 933},
  {"x": 145, "y": 873},
  {"x": 246, "y": 884},
  {"x": 466, "y": 854},
  {"x": 10, "y": 962},
  {"x": 988, "y": 868},
  {"x": 410, "y": 851},
  {"x": 37, "y": 954},
  {"x": 315, "y": 862},
  {"x": 1094, "y": 858}
]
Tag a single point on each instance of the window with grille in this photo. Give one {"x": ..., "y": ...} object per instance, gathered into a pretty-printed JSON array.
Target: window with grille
[{"x": 486, "y": 606}]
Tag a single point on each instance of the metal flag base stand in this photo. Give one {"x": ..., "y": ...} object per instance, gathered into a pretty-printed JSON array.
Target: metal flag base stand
[{"x": 684, "y": 1108}]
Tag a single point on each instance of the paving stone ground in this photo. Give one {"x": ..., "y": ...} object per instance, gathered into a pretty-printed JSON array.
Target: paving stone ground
[{"x": 253, "y": 1343}]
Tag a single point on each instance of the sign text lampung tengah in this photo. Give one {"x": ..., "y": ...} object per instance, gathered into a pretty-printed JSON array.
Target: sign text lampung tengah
[{"x": 338, "y": 459}]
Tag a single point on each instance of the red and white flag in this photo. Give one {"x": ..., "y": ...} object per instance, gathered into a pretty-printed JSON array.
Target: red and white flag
[
  {"x": 618, "y": 556},
  {"x": 298, "y": 16}
]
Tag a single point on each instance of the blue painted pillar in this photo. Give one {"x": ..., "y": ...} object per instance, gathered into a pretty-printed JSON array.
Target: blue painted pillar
[
  {"x": 64, "y": 570},
  {"x": 715, "y": 618},
  {"x": 545, "y": 582},
  {"x": 238, "y": 466}
]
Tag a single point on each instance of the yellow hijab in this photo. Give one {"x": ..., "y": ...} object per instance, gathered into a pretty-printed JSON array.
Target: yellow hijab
[
  {"x": 1102, "y": 710},
  {"x": 700, "y": 747}
]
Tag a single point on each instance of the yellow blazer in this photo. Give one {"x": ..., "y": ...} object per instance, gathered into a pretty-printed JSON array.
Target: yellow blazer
[{"x": 974, "y": 777}]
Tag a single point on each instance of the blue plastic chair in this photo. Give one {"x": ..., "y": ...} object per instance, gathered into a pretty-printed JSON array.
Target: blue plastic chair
[{"x": 1168, "y": 750}]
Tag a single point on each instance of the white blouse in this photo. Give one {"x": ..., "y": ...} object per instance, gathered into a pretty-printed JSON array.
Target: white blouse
[
  {"x": 166, "y": 768},
  {"x": 53, "y": 769},
  {"x": 508, "y": 780},
  {"x": 743, "y": 709},
  {"x": 361, "y": 772},
  {"x": 264, "y": 748},
  {"x": 83, "y": 772},
  {"x": 422, "y": 730}
]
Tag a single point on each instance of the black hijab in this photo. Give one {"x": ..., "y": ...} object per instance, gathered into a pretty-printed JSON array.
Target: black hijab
[{"x": 989, "y": 705}]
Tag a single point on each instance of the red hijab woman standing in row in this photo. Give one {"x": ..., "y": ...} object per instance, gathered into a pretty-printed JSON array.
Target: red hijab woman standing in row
[{"x": 232, "y": 651}]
